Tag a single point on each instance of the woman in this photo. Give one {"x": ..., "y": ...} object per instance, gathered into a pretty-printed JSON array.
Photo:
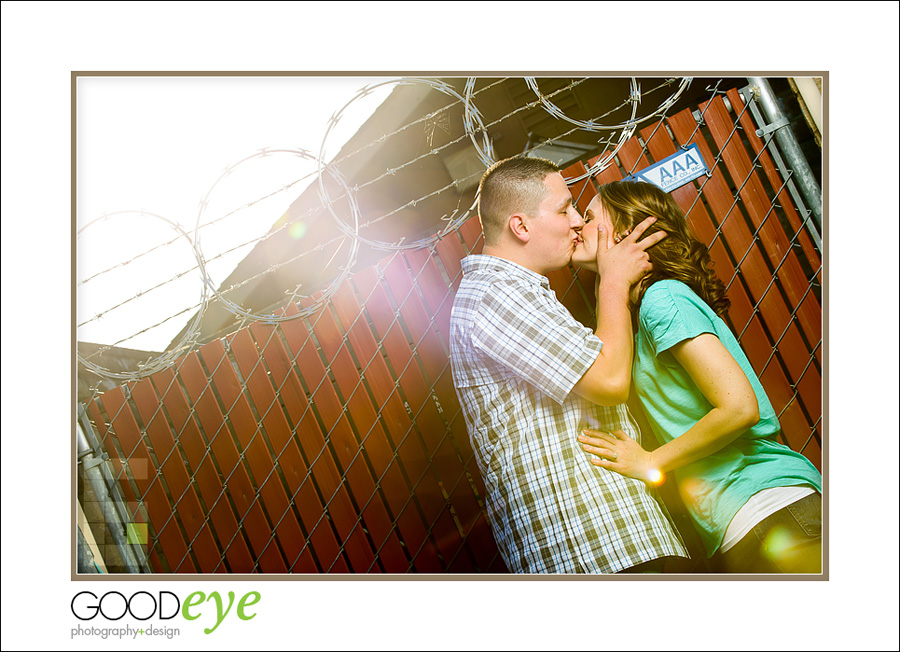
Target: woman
[{"x": 755, "y": 503}]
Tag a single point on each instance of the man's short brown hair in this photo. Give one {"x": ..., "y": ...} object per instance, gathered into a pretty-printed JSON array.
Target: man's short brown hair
[{"x": 513, "y": 185}]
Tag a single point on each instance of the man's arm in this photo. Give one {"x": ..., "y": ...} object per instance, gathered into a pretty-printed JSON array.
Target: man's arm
[{"x": 608, "y": 380}]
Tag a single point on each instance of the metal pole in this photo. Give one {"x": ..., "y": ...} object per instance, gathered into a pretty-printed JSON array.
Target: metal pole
[
  {"x": 91, "y": 467},
  {"x": 790, "y": 147},
  {"x": 85, "y": 557}
]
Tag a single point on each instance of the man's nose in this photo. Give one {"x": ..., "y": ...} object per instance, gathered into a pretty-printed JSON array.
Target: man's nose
[{"x": 577, "y": 220}]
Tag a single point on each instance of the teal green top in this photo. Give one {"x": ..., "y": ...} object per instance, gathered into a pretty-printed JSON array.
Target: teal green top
[{"x": 716, "y": 487}]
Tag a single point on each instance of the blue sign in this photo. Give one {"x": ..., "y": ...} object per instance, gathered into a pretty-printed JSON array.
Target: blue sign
[{"x": 674, "y": 171}]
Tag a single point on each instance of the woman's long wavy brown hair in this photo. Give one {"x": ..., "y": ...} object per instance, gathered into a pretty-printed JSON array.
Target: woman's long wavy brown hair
[{"x": 679, "y": 256}]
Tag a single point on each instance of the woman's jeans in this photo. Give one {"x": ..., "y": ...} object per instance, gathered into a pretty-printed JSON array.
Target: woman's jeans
[{"x": 788, "y": 541}]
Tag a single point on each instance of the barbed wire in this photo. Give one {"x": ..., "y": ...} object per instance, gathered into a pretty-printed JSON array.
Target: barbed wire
[
  {"x": 344, "y": 208},
  {"x": 471, "y": 132},
  {"x": 344, "y": 270},
  {"x": 634, "y": 99},
  {"x": 183, "y": 344}
]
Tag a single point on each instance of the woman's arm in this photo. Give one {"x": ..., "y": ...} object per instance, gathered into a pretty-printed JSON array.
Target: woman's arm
[{"x": 734, "y": 410}]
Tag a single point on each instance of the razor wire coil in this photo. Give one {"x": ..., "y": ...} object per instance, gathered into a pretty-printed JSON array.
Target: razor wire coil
[{"x": 352, "y": 221}]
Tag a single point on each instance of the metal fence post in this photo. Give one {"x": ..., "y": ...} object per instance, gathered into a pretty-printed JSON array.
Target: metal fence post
[
  {"x": 85, "y": 557},
  {"x": 791, "y": 148},
  {"x": 91, "y": 466}
]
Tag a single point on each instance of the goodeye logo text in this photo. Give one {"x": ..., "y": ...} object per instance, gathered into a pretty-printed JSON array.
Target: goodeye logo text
[{"x": 165, "y": 605}]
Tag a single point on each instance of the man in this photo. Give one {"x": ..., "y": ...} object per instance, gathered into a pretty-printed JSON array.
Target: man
[{"x": 530, "y": 378}]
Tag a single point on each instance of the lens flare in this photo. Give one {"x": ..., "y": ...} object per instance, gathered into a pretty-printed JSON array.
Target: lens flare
[
  {"x": 297, "y": 230},
  {"x": 778, "y": 543},
  {"x": 655, "y": 476}
]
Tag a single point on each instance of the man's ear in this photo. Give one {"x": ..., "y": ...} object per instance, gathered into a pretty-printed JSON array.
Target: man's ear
[{"x": 518, "y": 225}]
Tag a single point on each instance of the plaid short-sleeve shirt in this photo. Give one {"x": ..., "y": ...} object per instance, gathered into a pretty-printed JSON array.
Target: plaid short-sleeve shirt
[{"x": 516, "y": 353}]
